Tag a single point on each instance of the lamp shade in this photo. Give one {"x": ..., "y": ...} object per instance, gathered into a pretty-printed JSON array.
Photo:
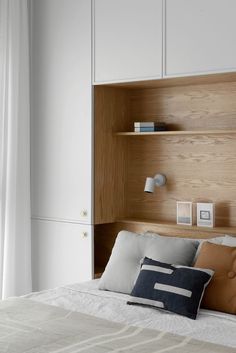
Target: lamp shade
[{"x": 149, "y": 185}]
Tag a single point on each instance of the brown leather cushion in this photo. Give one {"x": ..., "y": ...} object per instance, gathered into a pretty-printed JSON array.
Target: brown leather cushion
[{"x": 220, "y": 294}]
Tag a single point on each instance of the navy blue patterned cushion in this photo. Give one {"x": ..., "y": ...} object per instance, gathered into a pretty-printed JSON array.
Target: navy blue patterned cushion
[{"x": 171, "y": 287}]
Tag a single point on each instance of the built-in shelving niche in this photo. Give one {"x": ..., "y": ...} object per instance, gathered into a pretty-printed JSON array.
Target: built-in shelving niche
[{"x": 197, "y": 154}]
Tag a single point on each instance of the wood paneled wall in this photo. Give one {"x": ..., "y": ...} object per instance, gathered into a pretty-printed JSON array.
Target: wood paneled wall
[
  {"x": 198, "y": 168},
  {"x": 195, "y": 107},
  {"x": 111, "y": 115},
  {"x": 106, "y": 235}
]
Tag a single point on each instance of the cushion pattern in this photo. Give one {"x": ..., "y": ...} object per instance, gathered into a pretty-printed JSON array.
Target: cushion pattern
[
  {"x": 175, "y": 288},
  {"x": 220, "y": 295}
]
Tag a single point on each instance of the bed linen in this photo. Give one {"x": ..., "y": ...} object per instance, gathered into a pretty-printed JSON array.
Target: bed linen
[
  {"x": 86, "y": 298},
  {"x": 28, "y": 326}
]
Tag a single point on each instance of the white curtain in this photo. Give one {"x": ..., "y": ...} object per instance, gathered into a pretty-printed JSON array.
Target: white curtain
[{"x": 15, "y": 245}]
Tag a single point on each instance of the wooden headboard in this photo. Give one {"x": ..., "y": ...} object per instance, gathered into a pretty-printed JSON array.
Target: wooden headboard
[{"x": 107, "y": 233}]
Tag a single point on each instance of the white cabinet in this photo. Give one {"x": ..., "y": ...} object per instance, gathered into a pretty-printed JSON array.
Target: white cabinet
[
  {"x": 61, "y": 126},
  {"x": 62, "y": 253},
  {"x": 61, "y": 142},
  {"x": 139, "y": 39},
  {"x": 200, "y": 37},
  {"x": 127, "y": 40}
]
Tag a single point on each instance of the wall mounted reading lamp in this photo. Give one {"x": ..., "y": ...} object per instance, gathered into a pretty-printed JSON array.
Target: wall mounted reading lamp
[{"x": 158, "y": 180}]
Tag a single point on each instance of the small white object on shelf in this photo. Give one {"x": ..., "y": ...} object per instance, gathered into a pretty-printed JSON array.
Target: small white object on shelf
[
  {"x": 185, "y": 213},
  {"x": 206, "y": 215}
]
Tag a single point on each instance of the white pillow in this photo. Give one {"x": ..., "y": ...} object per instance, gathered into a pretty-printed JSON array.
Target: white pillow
[
  {"x": 229, "y": 240},
  {"x": 129, "y": 249}
]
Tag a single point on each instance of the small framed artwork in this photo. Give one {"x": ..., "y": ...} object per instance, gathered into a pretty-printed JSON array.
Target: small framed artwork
[
  {"x": 205, "y": 214},
  {"x": 184, "y": 213}
]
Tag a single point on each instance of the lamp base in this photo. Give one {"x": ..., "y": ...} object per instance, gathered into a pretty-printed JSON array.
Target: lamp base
[{"x": 160, "y": 179}]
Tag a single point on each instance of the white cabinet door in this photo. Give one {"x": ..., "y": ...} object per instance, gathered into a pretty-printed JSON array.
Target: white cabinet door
[
  {"x": 61, "y": 127},
  {"x": 62, "y": 253},
  {"x": 127, "y": 40},
  {"x": 200, "y": 37}
]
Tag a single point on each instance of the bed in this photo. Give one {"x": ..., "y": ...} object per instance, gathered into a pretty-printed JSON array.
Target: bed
[{"x": 81, "y": 317}]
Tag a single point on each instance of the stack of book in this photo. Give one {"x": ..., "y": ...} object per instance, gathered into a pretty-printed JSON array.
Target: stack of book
[{"x": 149, "y": 126}]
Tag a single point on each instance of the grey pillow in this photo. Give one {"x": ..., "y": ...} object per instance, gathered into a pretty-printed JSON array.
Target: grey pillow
[
  {"x": 200, "y": 241},
  {"x": 130, "y": 248}
]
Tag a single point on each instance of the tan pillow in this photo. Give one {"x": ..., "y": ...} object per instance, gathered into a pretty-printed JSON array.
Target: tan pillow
[{"x": 220, "y": 294}]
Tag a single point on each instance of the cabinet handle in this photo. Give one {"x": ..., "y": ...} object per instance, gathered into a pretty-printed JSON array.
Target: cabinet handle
[
  {"x": 84, "y": 213},
  {"x": 84, "y": 234}
]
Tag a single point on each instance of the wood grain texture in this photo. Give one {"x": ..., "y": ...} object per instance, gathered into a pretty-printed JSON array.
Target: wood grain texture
[
  {"x": 111, "y": 115},
  {"x": 176, "y": 132},
  {"x": 106, "y": 235},
  {"x": 199, "y": 168},
  {"x": 210, "y": 106},
  {"x": 175, "y": 230}
]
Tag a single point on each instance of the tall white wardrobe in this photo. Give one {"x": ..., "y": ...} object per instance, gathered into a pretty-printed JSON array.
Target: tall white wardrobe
[{"x": 61, "y": 142}]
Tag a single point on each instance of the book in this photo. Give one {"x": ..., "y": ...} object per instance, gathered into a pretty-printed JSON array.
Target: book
[
  {"x": 160, "y": 128},
  {"x": 149, "y": 126},
  {"x": 144, "y": 124},
  {"x": 144, "y": 129}
]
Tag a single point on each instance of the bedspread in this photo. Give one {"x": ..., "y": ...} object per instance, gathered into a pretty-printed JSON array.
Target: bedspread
[
  {"x": 33, "y": 327},
  {"x": 210, "y": 326}
]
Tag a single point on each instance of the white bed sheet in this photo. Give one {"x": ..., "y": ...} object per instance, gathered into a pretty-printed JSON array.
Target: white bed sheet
[{"x": 85, "y": 297}]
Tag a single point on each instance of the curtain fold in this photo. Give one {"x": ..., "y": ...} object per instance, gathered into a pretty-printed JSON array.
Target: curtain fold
[{"x": 15, "y": 231}]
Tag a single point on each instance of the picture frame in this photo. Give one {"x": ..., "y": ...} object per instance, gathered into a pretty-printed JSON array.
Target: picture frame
[
  {"x": 205, "y": 214},
  {"x": 184, "y": 213}
]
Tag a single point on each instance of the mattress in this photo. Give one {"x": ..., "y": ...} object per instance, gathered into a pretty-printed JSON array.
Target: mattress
[{"x": 86, "y": 298}]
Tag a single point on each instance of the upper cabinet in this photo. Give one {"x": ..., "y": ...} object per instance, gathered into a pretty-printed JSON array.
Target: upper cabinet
[
  {"x": 61, "y": 125},
  {"x": 199, "y": 37},
  {"x": 127, "y": 40},
  {"x": 151, "y": 39}
]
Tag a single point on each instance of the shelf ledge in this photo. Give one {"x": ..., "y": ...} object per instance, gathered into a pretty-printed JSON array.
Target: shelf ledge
[
  {"x": 172, "y": 225},
  {"x": 169, "y": 133}
]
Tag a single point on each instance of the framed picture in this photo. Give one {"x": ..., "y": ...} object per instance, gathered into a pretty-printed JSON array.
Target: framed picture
[
  {"x": 205, "y": 214},
  {"x": 184, "y": 213}
]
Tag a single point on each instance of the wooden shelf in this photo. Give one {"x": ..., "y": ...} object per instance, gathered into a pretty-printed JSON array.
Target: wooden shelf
[
  {"x": 197, "y": 153},
  {"x": 174, "y": 226},
  {"x": 170, "y": 133}
]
